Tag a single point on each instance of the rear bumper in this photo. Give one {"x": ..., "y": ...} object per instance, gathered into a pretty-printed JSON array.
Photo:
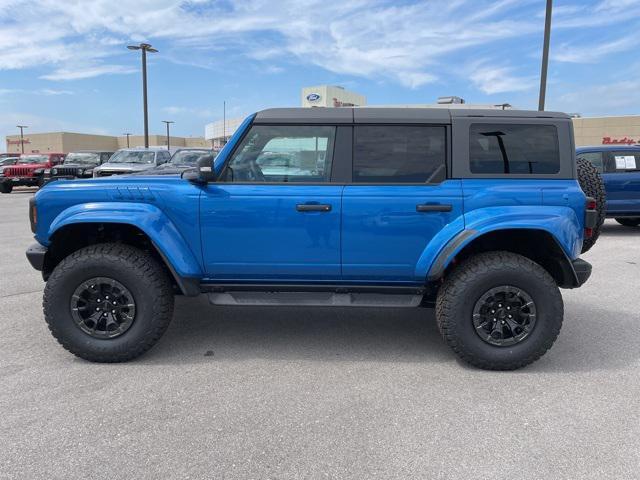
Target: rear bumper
[
  {"x": 582, "y": 270},
  {"x": 36, "y": 254}
]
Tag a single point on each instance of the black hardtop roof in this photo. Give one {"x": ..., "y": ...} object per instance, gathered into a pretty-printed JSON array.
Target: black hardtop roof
[{"x": 389, "y": 114}]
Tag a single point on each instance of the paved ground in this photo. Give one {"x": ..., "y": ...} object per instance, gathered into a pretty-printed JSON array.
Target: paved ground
[{"x": 292, "y": 393}]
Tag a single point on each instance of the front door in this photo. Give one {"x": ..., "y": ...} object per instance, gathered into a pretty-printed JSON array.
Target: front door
[
  {"x": 398, "y": 200},
  {"x": 274, "y": 216}
]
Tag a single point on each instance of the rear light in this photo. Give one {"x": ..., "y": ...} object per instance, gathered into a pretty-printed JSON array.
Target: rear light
[
  {"x": 588, "y": 232},
  {"x": 591, "y": 204}
]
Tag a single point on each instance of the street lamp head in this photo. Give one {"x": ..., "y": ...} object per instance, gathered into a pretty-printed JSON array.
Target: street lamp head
[
  {"x": 133, "y": 47},
  {"x": 151, "y": 50}
]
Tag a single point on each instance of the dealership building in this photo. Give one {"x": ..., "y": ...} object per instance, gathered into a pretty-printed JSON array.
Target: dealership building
[{"x": 65, "y": 142}]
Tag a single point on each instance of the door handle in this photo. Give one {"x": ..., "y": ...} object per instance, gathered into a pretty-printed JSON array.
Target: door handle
[
  {"x": 433, "y": 207},
  {"x": 313, "y": 207}
]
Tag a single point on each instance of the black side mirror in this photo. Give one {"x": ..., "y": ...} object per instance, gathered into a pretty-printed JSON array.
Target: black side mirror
[{"x": 203, "y": 172}]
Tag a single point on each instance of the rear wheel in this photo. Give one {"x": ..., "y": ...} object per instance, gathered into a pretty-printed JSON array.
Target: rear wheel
[
  {"x": 592, "y": 185},
  {"x": 499, "y": 311},
  {"x": 108, "y": 302},
  {"x": 6, "y": 187},
  {"x": 629, "y": 221}
]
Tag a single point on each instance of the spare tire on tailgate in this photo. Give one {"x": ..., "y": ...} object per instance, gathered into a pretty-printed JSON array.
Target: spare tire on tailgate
[{"x": 593, "y": 186}]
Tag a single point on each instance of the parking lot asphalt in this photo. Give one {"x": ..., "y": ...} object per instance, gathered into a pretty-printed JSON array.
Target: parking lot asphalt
[{"x": 292, "y": 393}]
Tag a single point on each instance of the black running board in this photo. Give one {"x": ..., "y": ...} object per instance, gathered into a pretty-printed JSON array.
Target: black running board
[
  {"x": 316, "y": 299},
  {"x": 315, "y": 295}
]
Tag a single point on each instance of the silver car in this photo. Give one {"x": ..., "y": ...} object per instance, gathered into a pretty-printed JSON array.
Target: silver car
[{"x": 131, "y": 160}]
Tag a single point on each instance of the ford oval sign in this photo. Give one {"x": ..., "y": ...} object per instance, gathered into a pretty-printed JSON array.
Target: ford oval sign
[{"x": 313, "y": 97}]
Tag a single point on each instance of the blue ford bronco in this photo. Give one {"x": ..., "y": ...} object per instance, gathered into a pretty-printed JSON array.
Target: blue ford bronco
[
  {"x": 476, "y": 212},
  {"x": 620, "y": 169}
]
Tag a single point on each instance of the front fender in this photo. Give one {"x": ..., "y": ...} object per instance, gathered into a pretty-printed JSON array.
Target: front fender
[
  {"x": 148, "y": 218},
  {"x": 561, "y": 222}
]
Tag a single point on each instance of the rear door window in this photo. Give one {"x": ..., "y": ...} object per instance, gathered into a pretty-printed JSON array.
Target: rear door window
[
  {"x": 513, "y": 149},
  {"x": 399, "y": 154}
]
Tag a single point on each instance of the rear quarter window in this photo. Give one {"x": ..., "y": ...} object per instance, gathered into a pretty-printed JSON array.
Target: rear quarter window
[{"x": 518, "y": 149}]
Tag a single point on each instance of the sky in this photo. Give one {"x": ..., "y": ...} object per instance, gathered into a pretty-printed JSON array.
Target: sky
[{"x": 64, "y": 65}]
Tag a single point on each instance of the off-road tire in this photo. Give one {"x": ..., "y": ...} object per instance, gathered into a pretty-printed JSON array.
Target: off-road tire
[
  {"x": 5, "y": 187},
  {"x": 473, "y": 278},
  {"x": 138, "y": 272},
  {"x": 592, "y": 185},
  {"x": 628, "y": 221}
]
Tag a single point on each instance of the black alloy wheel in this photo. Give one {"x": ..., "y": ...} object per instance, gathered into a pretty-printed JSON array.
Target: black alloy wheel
[
  {"x": 504, "y": 315},
  {"x": 103, "y": 308}
]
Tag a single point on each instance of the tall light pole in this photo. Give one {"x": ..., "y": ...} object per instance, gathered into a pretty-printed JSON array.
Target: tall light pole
[
  {"x": 127, "y": 135},
  {"x": 22, "y": 127},
  {"x": 168, "y": 122},
  {"x": 144, "y": 47},
  {"x": 545, "y": 55}
]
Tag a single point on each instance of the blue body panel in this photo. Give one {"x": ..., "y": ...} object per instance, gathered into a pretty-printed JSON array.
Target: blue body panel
[
  {"x": 166, "y": 209},
  {"x": 554, "y": 206},
  {"x": 254, "y": 232},
  {"x": 383, "y": 236},
  {"x": 622, "y": 187}
]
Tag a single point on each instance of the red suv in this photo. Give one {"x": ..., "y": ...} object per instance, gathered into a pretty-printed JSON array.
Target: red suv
[{"x": 29, "y": 171}]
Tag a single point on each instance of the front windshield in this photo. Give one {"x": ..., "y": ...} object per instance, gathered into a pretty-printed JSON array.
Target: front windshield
[
  {"x": 82, "y": 158},
  {"x": 8, "y": 161},
  {"x": 129, "y": 156},
  {"x": 34, "y": 159},
  {"x": 188, "y": 157}
]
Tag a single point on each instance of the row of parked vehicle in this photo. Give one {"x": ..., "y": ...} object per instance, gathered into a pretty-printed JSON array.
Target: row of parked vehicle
[{"x": 36, "y": 169}]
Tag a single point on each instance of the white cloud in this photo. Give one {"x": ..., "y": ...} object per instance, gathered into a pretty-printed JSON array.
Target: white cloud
[
  {"x": 593, "y": 53},
  {"x": 609, "y": 99},
  {"x": 410, "y": 44},
  {"x": 76, "y": 73},
  {"x": 492, "y": 79},
  {"x": 180, "y": 111}
]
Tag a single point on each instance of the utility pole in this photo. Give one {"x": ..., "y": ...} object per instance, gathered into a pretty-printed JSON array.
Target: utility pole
[
  {"x": 545, "y": 55},
  {"x": 22, "y": 127},
  {"x": 168, "y": 122},
  {"x": 144, "y": 47},
  {"x": 224, "y": 123},
  {"x": 127, "y": 135}
]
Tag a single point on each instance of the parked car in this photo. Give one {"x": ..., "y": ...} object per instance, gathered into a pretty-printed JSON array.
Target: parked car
[
  {"x": 620, "y": 169},
  {"x": 29, "y": 170},
  {"x": 478, "y": 211},
  {"x": 131, "y": 160},
  {"x": 181, "y": 160},
  {"x": 80, "y": 164}
]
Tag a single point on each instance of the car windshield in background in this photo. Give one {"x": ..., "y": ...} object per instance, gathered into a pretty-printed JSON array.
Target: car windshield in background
[
  {"x": 34, "y": 159},
  {"x": 132, "y": 157},
  {"x": 188, "y": 157},
  {"x": 82, "y": 158}
]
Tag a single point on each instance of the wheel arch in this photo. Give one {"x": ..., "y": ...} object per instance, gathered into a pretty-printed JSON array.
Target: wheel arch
[
  {"x": 537, "y": 244},
  {"x": 144, "y": 226}
]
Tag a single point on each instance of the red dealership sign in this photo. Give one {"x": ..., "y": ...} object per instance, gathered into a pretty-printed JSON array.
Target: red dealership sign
[{"x": 619, "y": 141}]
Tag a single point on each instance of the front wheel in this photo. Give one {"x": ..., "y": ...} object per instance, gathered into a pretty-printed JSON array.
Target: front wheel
[
  {"x": 499, "y": 311},
  {"x": 6, "y": 187},
  {"x": 108, "y": 302},
  {"x": 628, "y": 222}
]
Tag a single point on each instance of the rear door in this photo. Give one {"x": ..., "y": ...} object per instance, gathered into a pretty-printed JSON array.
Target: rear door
[
  {"x": 622, "y": 179},
  {"x": 398, "y": 199}
]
